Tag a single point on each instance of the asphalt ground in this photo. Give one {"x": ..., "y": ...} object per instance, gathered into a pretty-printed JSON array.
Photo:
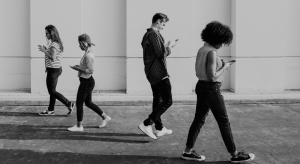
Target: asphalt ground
[{"x": 270, "y": 131}]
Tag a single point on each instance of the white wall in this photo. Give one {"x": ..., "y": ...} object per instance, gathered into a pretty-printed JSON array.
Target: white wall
[
  {"x": 187, "y": 20},
  {"x": 265, "y": 42},
  {"x": 102, "y": 20},
  {"x": 259, "y": 45},
  {"x": 292, "y": 48},
  {"x": 15, "y": 44},
  {"x": 105, "y": 22}
]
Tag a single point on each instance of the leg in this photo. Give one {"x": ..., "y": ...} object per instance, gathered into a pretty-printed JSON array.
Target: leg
[
  {"x": 219, "y": 111},
  {"x": 51, "y": 82},
  {"x": 157, "y": 99},
  {"x": 166, "y": 95},
  {"x": 88, "y": 99},
  {"x": 52, "y": 79},
  {"x": 202, "y": 110},
  {"x": 81, "y": 96}
]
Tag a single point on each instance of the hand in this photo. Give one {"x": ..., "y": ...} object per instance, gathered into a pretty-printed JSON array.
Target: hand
[
  {"x": 75, "y": 67},
  {"x": 172, "y": 44},
  {"x": 42, "y": 48},
  {"x": 227, "y": 65}
]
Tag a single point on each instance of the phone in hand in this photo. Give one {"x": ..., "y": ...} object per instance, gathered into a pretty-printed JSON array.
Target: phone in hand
[{"x": 231, "y": 61}]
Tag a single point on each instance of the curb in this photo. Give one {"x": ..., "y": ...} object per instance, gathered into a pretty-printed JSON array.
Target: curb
[{"x": 127, "y": 100}]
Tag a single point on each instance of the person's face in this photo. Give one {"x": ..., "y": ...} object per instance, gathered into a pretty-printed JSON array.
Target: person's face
[
  {"x": 47, "y": 34},
  {"x": 82, "y": 45},
  {"x": 160, "y": 24}
]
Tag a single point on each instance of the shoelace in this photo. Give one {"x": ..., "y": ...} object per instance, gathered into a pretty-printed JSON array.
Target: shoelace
[
  {"x": 242, "y": 154},
  {"x": 194, "y": 152}
]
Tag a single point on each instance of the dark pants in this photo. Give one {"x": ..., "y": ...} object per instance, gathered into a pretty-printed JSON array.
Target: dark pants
[
  {"x": 51, "y": 82},
  {"x": 84, "y": 95},
  {"x": 209, "y": 97},
  {"x": 162, "y": 100}
]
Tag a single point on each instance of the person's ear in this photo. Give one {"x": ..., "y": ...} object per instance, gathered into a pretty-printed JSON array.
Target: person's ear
[{"x": 158, "y": 21}]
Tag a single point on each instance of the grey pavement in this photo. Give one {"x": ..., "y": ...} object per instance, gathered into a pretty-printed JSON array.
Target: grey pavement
[
  {"x": 270, "y": 131},
  {"x": 123, "y": 99}
]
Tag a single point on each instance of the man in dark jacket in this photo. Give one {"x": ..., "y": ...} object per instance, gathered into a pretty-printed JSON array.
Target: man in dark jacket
[{"x": 155, "y": 52}]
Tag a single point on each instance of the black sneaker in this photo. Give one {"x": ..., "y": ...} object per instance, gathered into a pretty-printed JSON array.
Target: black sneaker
[
  {"x": 192, "y": 156},
  {"x": 46, "y": 112},
  {"x": 71, "y": 108},
  {"x": 242, "y": 157}
]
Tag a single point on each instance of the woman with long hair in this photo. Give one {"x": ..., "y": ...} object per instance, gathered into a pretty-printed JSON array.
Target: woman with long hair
[
  {"x": 87, "y": 83},
  {"x": 53, "y": 55}
]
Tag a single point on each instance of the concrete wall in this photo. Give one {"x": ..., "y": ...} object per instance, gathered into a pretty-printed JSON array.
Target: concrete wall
[
  {"x": 187, "y": 20},
  {"x": 15, "y": 44},
  {"x": 102, "y": 20},
  {"x": 265, "y": 42},
  {"x": 265, "y": 45}
]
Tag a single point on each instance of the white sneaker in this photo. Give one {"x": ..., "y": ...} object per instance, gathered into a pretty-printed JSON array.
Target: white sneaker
[
  {"x": 104, "y": 122},
  {"x": 163, "y": 132},
  {"x": 75, "y": 128},
  {"x": 147, "y": 130}
]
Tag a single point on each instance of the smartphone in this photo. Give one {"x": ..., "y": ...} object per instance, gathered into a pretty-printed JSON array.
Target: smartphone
[{"x": 231, "y": 61}]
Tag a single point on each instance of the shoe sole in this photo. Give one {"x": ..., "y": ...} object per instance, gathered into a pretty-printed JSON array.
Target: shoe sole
[
  {"x": 252, "y": 156},
  {"x": 192, "y": 159},
  {"x": 75, "y": 130},
  {"x": 159, "y": 135},
  {"x": 146, "y": 133},
  {"x": 46, "y": 114}
]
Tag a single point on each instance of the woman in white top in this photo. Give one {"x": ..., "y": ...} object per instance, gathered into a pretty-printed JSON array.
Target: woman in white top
[
  {"x": 53, "y": 55},
  {"x": 87, "y": 83},
  {"x": 209, "y": 70}
]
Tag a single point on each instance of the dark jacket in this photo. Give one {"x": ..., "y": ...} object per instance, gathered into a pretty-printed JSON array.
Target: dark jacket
[{"x": 154, "y": 55}]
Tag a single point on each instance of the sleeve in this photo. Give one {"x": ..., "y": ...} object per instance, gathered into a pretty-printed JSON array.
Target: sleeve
[
  {"x": 89, "y": 64},
  {"x": 159, "y": 48},
  {"x": 55, "y": 45}
]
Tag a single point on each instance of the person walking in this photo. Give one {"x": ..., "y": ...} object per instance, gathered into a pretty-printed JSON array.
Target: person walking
[
  {"x": 53, "y": 55},
  {"x": 209, "y": 70},
  {"x": 155, "y": 52},
  {"x": 87, "y": 83}
]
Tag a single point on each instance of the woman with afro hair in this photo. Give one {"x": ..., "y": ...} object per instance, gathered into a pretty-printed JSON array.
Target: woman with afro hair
[{"x": 209, "y": 70}]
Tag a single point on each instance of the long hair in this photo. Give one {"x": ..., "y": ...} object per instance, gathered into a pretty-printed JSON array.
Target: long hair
[{"x": 54, "y": 35}]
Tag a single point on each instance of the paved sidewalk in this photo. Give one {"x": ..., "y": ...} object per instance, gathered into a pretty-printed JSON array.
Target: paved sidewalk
[
  {"x": 270, "y": 131},
  {"x": 122, "y": 99}
]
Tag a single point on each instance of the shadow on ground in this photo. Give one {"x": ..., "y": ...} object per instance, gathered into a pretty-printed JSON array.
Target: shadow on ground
[
  {"x": 31, "y": 157},
  {"x": 31, "y": 132}
]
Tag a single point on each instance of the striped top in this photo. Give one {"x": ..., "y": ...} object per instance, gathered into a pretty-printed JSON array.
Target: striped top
[
  {"x": 56, "y": 63},
  {"x": 201, "y": 63}
]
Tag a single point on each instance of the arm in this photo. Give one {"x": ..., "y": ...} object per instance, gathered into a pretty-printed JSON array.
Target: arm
[
  {"x": 211, "y": 66},
  {"x": 159, "y": 48},
  {"x": 89, "y": 63},
  {"x": 51, "y": 54}
]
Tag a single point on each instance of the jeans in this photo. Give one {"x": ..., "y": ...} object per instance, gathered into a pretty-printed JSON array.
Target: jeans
[
  {"x": 209, "y": 97},
  {"x": 51, "y": 82},
  {"x": 162, "y": 100},
  {"x": 84, "y": 94}
]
